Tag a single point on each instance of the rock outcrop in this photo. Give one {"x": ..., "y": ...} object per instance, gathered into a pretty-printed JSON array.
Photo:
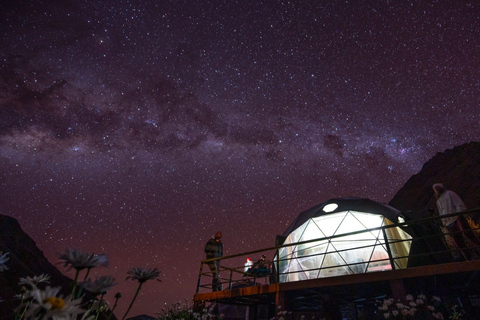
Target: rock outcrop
[
  {"x": 458, "y": 169},
  {"x": 25, "y": 259}
]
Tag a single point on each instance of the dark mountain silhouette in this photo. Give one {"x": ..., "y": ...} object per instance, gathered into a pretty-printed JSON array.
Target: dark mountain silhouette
[
  {"x": 458, "y": 169},
  {"x": 25, "y": 260}
]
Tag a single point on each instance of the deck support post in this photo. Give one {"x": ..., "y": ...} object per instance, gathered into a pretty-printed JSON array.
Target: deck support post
[
  {"x": 280, "y": 304},
  {"x": 398, "y": 289}
]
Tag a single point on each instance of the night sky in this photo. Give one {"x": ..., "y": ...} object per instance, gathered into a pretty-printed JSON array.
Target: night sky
[{"x": 140, "y": 128}]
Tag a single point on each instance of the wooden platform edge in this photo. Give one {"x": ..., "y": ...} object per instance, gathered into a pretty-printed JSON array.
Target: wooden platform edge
[{"x": 413, "y": 272}]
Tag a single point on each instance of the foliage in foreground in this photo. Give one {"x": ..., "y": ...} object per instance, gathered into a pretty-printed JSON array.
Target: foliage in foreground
[
  {"x": 39, "y": 301},
  {"x": 179, "y": 311},
  {"x": 415, "y": 308}
]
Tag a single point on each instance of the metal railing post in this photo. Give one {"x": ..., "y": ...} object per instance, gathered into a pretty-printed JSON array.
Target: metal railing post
[
  {"x": 199, "y": 277},
  {"x": 277, "y": 268},
  {"x": 404, "y": 255},
  {"x": 390, "y": 256}
]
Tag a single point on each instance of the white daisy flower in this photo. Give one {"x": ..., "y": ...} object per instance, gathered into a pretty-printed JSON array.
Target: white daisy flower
[
  {"x": 33, "y": 281},
  {"x": 99, "y": 286},
  {"x": 142, "y": 275},
  {"x": 48, "y": 304},
  {"x": 81, "y": 260}
]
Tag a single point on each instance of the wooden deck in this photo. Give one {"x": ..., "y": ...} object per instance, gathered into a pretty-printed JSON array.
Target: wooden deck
[{"x": 396, "y": 283}]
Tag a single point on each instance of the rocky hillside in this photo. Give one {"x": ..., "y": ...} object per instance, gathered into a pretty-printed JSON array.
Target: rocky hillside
[
  {"x": 458, "y": 169},
  {"x": 25, "y": 260}
]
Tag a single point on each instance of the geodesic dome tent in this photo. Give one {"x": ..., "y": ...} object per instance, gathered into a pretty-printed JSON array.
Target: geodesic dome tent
[{"x": 342, "y": 245}]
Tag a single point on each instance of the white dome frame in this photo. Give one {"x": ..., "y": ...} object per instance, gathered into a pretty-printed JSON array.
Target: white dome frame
[{"x": 340, "y": 237}]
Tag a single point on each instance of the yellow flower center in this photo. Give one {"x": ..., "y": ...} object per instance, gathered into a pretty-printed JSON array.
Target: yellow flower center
[{"x": 56, "y": 303}]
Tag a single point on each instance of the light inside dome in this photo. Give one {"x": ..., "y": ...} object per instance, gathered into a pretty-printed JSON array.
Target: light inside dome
[
  {"x": 350, "y": 251},
  {"x": 330, "y": 207}
]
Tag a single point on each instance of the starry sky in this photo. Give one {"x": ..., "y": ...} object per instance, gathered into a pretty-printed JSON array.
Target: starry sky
[{"x": 139, "y": 128}]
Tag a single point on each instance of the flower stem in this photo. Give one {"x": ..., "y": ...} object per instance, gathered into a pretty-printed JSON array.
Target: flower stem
[
  {"x": 133, "y": 300},
  {"x": 75, "y": 284},
  {"x": 86, "y": 274},
  {"x": 113, "y": 309},
  {"x": 19, "y": 315},
  {"x": 99, "y": 306}
]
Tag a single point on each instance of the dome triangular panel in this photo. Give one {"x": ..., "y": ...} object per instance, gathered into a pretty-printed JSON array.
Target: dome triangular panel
[{"x": 345, "y": 240}]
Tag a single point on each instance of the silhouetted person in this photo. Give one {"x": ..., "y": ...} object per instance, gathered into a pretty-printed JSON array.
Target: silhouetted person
[
  {"x": 450, "y": 202},
  {"x": 261, "y": 263},
  {"x": 214, "y": 249}
]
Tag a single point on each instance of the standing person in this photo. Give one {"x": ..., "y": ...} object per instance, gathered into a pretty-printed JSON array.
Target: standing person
[
  {"x": 450, "y": 202},
  {"x": 214, "y": 249}
]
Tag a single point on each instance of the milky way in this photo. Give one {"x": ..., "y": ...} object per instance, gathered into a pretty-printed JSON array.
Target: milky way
[{"x": 139, "y": 128}]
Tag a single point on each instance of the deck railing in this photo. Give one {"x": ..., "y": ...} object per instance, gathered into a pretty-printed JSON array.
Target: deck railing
[{"x": 430, "y": 244}]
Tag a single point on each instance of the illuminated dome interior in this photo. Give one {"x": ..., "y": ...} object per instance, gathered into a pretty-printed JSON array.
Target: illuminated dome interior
[{"x": 343, "y": 246}]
